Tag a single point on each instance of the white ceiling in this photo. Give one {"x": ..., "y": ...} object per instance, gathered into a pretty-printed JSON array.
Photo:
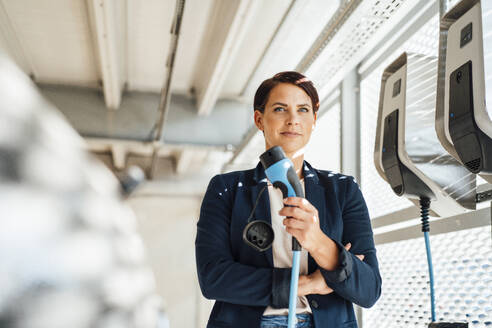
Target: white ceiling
[
  {"x": 225, "y": 47},
  {"x": 55, "y": 40}
]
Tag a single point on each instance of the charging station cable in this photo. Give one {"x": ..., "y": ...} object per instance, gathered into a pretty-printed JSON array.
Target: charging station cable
[{"x": 424, "y": 212}]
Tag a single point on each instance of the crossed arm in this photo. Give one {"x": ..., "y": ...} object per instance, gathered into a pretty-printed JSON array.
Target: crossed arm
[
  {"x": 303, "y": 223},
  {"x": 351, "y": 276},
  {"x": 315, "y": 282}
]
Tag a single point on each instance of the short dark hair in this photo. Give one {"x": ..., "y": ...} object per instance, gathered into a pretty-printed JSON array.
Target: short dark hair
[{"x": 292, "y": 77}]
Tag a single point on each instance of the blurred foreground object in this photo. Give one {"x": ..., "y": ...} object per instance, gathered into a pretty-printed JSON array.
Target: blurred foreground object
[{"x": 70, "y": 255}]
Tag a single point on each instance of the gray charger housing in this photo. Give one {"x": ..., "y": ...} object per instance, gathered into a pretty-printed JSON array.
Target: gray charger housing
[
  {"x": 463, "y": 122},
  {"x": 408, "y": 154}
]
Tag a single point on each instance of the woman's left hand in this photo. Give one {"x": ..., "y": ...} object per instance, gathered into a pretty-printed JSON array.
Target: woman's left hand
[
  {"x": 302, "y": 222},
  {"x": 313, "y": 284}
]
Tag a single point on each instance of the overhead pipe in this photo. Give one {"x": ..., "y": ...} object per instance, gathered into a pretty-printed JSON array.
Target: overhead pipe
[{"x": 165, "y": 99}]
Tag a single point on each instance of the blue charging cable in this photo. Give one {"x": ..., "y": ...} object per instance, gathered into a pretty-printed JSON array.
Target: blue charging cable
[
  {"x": 281, "y": 173},
  {"x": 424, "y": 211},
  {"x": 294, "y": 279}
]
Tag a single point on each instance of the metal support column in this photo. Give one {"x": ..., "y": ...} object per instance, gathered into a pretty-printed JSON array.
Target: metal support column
[
  {"x": 350, "y": 135},
  {"x": 350, "y": 124}
]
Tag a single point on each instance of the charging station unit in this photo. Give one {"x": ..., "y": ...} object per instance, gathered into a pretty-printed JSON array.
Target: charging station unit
[
  {"x": 408, "y": 154},
  {"x": 464, "y": 97},
  {"x": 407, "y": 151}
]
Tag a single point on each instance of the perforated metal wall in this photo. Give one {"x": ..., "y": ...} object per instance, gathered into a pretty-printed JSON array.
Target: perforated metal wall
[
  {"x": 462, "y": 260},
  {"x": 463, "y": 281},
  {"x": 347, "y": 46},
  {"x": 451, "y": 3}
]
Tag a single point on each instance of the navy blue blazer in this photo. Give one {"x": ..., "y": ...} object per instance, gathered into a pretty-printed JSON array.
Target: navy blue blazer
[{"x": 243, "y": 280}]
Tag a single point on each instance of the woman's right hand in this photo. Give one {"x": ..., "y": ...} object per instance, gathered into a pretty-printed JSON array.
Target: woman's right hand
[{"x": 315, "y": 283}]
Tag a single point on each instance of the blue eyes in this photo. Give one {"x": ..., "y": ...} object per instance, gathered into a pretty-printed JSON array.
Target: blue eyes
[{"x": 281, "y": 109}]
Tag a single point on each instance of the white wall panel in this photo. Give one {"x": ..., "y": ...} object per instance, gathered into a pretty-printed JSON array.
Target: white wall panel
[
  {"x": 323, "y": 150},
  {"x": 168, "y": 228}
]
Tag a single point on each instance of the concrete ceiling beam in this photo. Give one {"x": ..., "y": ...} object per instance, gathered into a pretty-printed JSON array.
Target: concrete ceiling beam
[
  {"x": 108, "y": 25},
  {"x": 221, "y": 44}
]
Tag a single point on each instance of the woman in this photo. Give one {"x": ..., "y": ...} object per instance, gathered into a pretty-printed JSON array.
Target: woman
[{"x": 251, "y": 288}]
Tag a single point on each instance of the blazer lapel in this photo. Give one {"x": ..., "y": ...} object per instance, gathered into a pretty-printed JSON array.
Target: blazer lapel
[
  {"x": 315, "y": 194},
  {"x": 262, "y": 211}
]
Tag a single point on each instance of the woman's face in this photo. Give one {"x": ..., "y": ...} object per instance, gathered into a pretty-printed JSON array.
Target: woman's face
[{"x": 287, "y": 120}]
